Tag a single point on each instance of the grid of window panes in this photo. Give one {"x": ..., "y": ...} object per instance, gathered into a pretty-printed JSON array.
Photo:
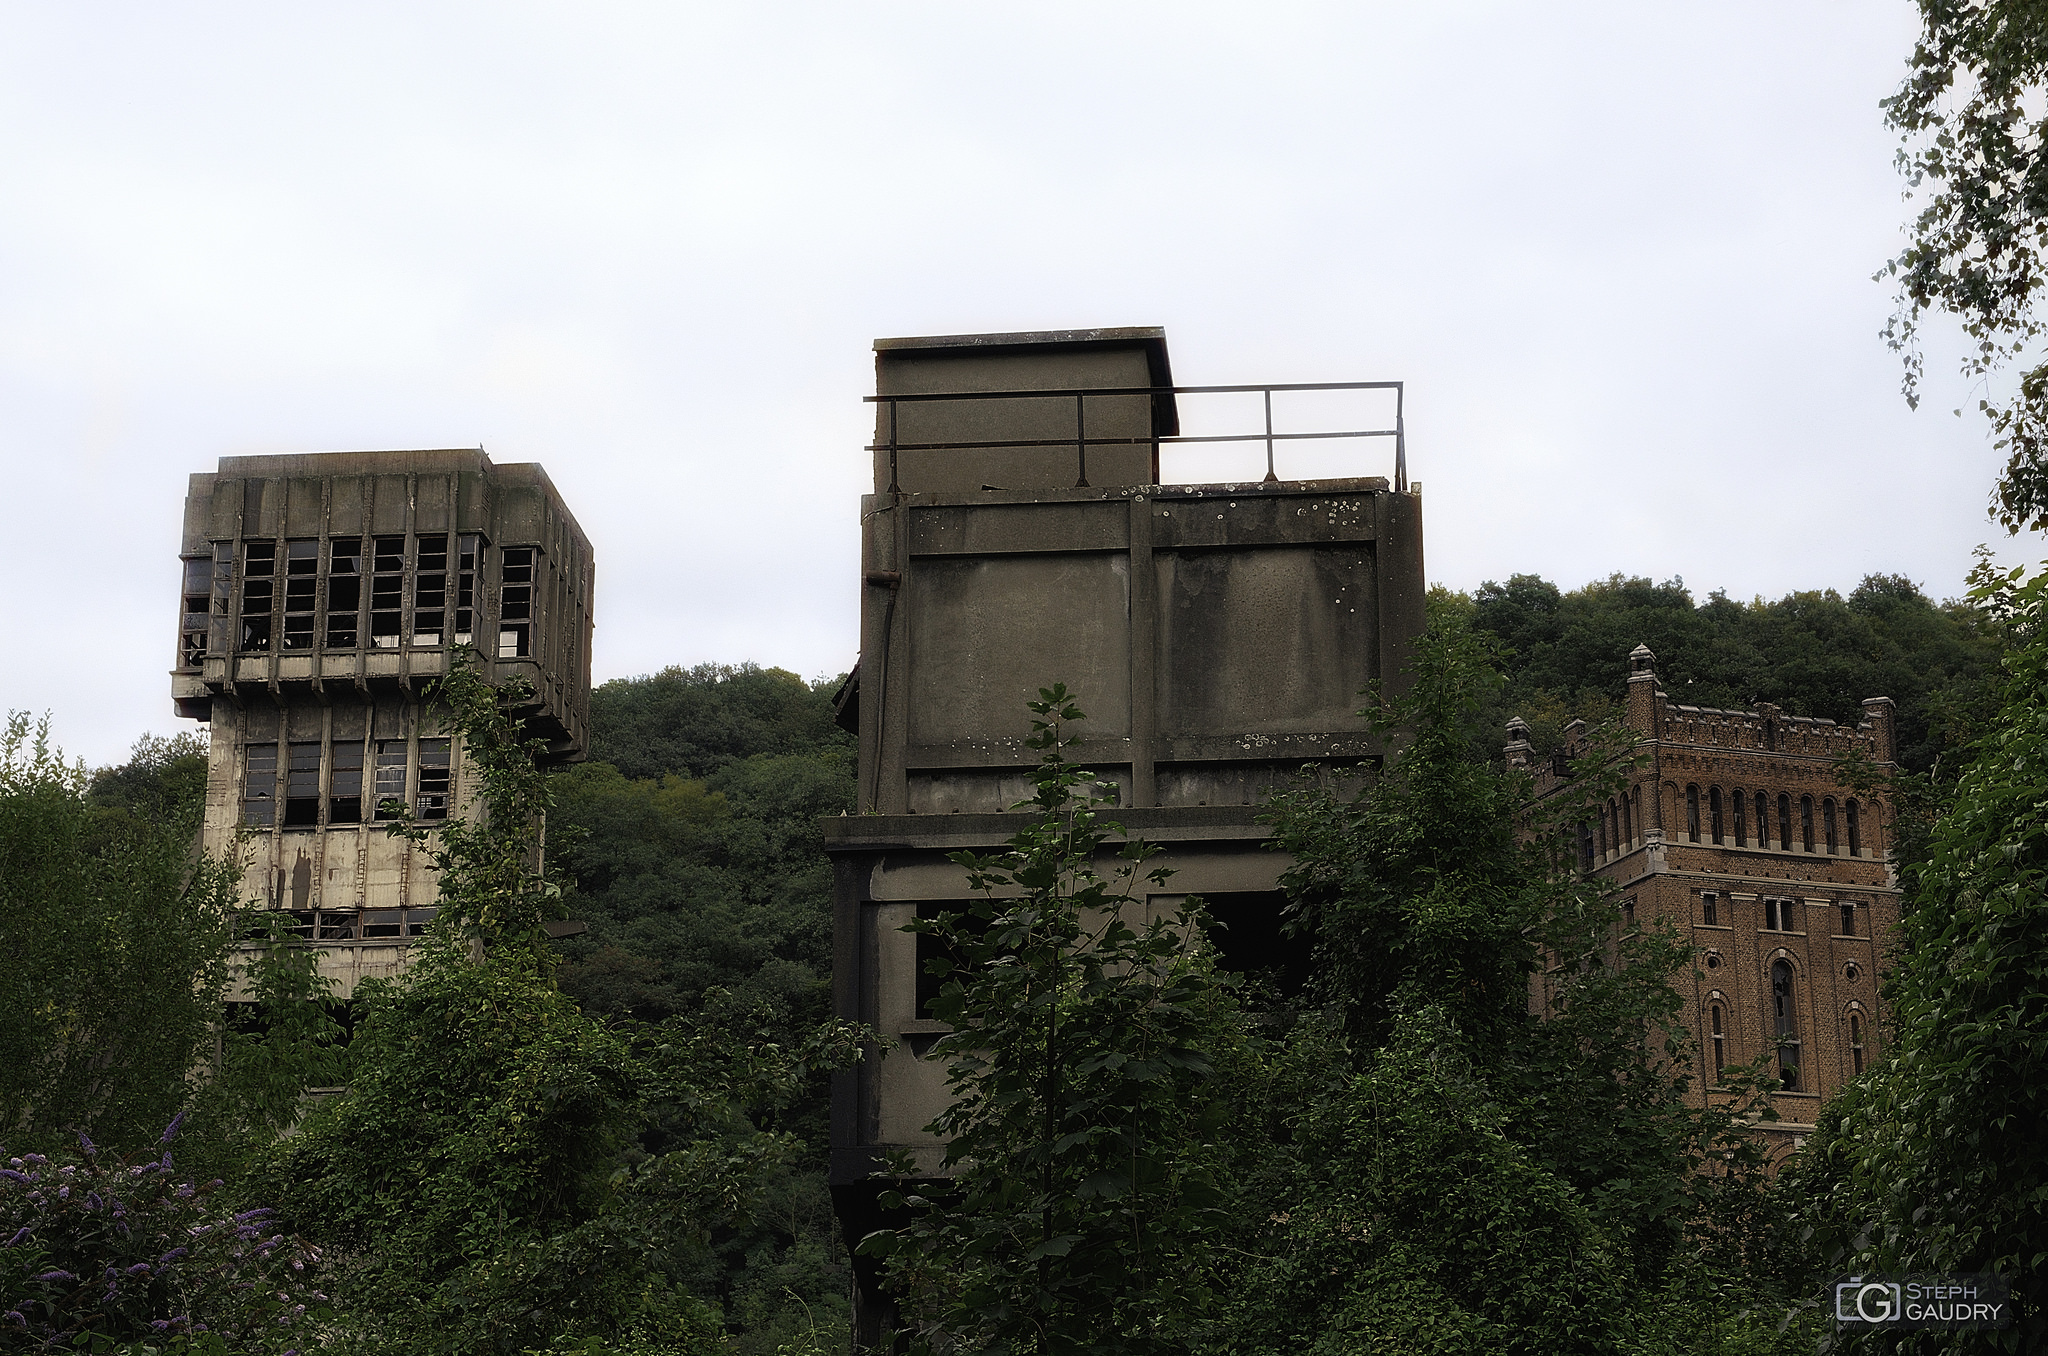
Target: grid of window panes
[
  {"x": 320, "y": 783},
  {"x": 341, "y": 925},
  {"x": 381, "y": 591}
]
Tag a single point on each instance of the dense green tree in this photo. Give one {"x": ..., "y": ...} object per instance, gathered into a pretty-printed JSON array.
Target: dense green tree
[
  {"x": 117, "y": 934},
  {"x": 1081, "y": 1211},
  {"x": 1813, "y": 653},
  {"x": 1972, "y": 124},
  {"x": 694, "y": 721},
  {"x": 1934, "y": 1161}
]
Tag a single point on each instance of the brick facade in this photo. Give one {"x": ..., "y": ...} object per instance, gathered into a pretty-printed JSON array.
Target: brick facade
[{"x": 1738, "y": 829}]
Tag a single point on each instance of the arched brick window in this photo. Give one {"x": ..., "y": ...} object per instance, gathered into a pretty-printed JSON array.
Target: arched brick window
[
  {"x": 1855, "y": 829},
  {"x": 1720, "y": 1039},
  {"x": 1806, "y": 823},
  {"x": 1763, "y": 820},
  {"x": 1827, "y": 824},
  {"x": 1785, "y": 1024},
  {"x": 1785, "y": 821},
  {"x": 1714, "y": 812},
  {"x": 1855, "y": 1041},
  {"x": 1741, "y": 831},
  {"x": 1692, "y": 813},
  {"x": 1628, "y": 823}
]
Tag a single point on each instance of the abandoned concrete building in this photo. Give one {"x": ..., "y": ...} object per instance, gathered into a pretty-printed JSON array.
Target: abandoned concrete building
[
  {"x": 1739, "y": 831},
  {"x": 1217, "y": 635},
  {"x": 322, "y": 594}
]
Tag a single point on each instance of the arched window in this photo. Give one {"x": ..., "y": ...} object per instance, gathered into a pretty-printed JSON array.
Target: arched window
[
  {"x": 1721, "y": 1043},
  {"x": 1714, "y": 811},
  {"x": 1635, "y": 814},
  {"x": 1806, "y": 823},
  {"x": 1628, "y": 823},
  {"x": 1741, "y": 833},
  {"x": 1692, "y": 813},
  {"x": 1855, "y": 829},
  {"x": 1827, "y": 824},
  {"x": 1783, "y": 1025},
  {"x": 1763, "y": 820},
  {"x": 1785, "y": 822},
  {"x": 1856, "y": 1040}
]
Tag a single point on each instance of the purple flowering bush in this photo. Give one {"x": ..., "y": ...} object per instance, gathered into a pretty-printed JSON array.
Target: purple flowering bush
[{"x": 102, "y": 1252}]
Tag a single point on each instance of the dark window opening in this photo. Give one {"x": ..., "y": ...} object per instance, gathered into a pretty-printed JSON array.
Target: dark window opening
[
  {"x": 1806, "y": 823},
  {"x": 1763, "y": 820},
  {"x": 1692, "y": 813},
  {"x": 1848, "y": 920},
  {"x": 259, "y": 784},
  {"x": 1720, "y": 1042},
  {"x": 1741, "y": 829},
  {"x": 1783, "y": 1024},
  {"x": 390, "y": 789},
  {"x": 1770, "y": 915},
  {"x": 1709, "y": 910},
  {"x": 515, "y": 602},
  {"x": 468, "y": 547},
  {"x": 430, "y": 590},
  {"x": 1856, "y": 1041},
  {"x": 1245, "y": 935},
  {"x": 1855, "y": 829},
  {"x": 1785, "y": 822},
  {"x": 259, "y": 564},
  {"x": 1714, "y": 811},
  {"x": 387, "y": 593},
  {"x": 416, "y": 921},
  {"x": 344, "y": 594},
  {"x": 1713, "y": 960},
  {"x": 1600, "y": 829},
  {"x": 433, "y": 798},
  {"x": 1628, "y": 825},
  {"x": 1628, "y": 910},
  {"x": 1827, "y": 824},
  {"x": 302, "y": 568},
  {"x": 337, "y": 925},
  {"x": 302, "y": 924},
  {"x": 1585, "y": 847},
  {"x": 383, "y": 923},
  {"x": 345, "y": 785},
  {"x": 302, "y": 785}
]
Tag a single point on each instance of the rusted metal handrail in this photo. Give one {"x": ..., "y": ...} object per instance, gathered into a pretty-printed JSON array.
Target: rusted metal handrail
[{"x": 1081, "y": 442}]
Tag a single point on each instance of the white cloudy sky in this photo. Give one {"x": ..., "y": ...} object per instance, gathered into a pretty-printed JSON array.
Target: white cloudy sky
[{"x": 1621, "y": 253}]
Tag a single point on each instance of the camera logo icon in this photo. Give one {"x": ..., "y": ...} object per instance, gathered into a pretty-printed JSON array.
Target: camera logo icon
[{"x": 1872, "y": 1301}]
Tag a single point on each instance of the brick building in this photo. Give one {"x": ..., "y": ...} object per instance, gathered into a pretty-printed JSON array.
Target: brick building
[{"x": 1738, "y": 829}]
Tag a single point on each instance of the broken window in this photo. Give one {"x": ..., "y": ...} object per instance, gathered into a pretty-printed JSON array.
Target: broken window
[
  {"x": 416, "y": 921},
  {"x": 1784, "y": 1024},
  {"x": 390, "y": 776},
  {"x": 1855, "y": 830},
  {"x": 383, "y": 923},
  {"x": 1709, "y": 909},
  {"x": 515, "y": 603},
  {"x": 259, "y": 568},
  {"x": 259, "y": 784},
  {"x": 301, "y": 578},
  {"x": 337, "y": 925},
  {"x": 195, "y": 613},
  {"x": 1720, "y": 1043},
  {"x": 302, "y": 785},
  {"x": 387, "y": 592},
  {"x": 345, "y": 785},
  {"x": 344, "y": 593},
  {"x": 468, "y": 546},
  {"x": 433, "y": 796},
  {"x": 430, "y": 589}
]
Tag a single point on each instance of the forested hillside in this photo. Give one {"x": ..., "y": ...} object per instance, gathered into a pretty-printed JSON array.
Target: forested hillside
[{"x": 1815, "y": 653}]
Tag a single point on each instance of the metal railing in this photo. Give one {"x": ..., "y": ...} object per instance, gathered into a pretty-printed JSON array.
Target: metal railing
[{"x": 1081, "y": 442}]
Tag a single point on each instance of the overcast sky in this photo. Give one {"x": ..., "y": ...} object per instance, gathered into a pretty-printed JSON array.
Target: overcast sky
[{"x": 1621, "y": 254}]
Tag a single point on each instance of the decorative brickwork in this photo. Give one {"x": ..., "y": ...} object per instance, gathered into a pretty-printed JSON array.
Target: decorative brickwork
[{"x": 1739, "y": 830}]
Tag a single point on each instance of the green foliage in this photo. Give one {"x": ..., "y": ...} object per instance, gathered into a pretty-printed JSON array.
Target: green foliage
[
  {"x": 1813, "y": 653},
  {"x": 1934, "y": 1162},
  {"x": 1081, "y": 1208},
  {"x": 1971, "y": 124},
  {"x": 693, "y": 722},
  {"x": 103, "y": 1249},
  {"x": 116, "y": 934},
  {"x": 504, "y": 1172}
]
